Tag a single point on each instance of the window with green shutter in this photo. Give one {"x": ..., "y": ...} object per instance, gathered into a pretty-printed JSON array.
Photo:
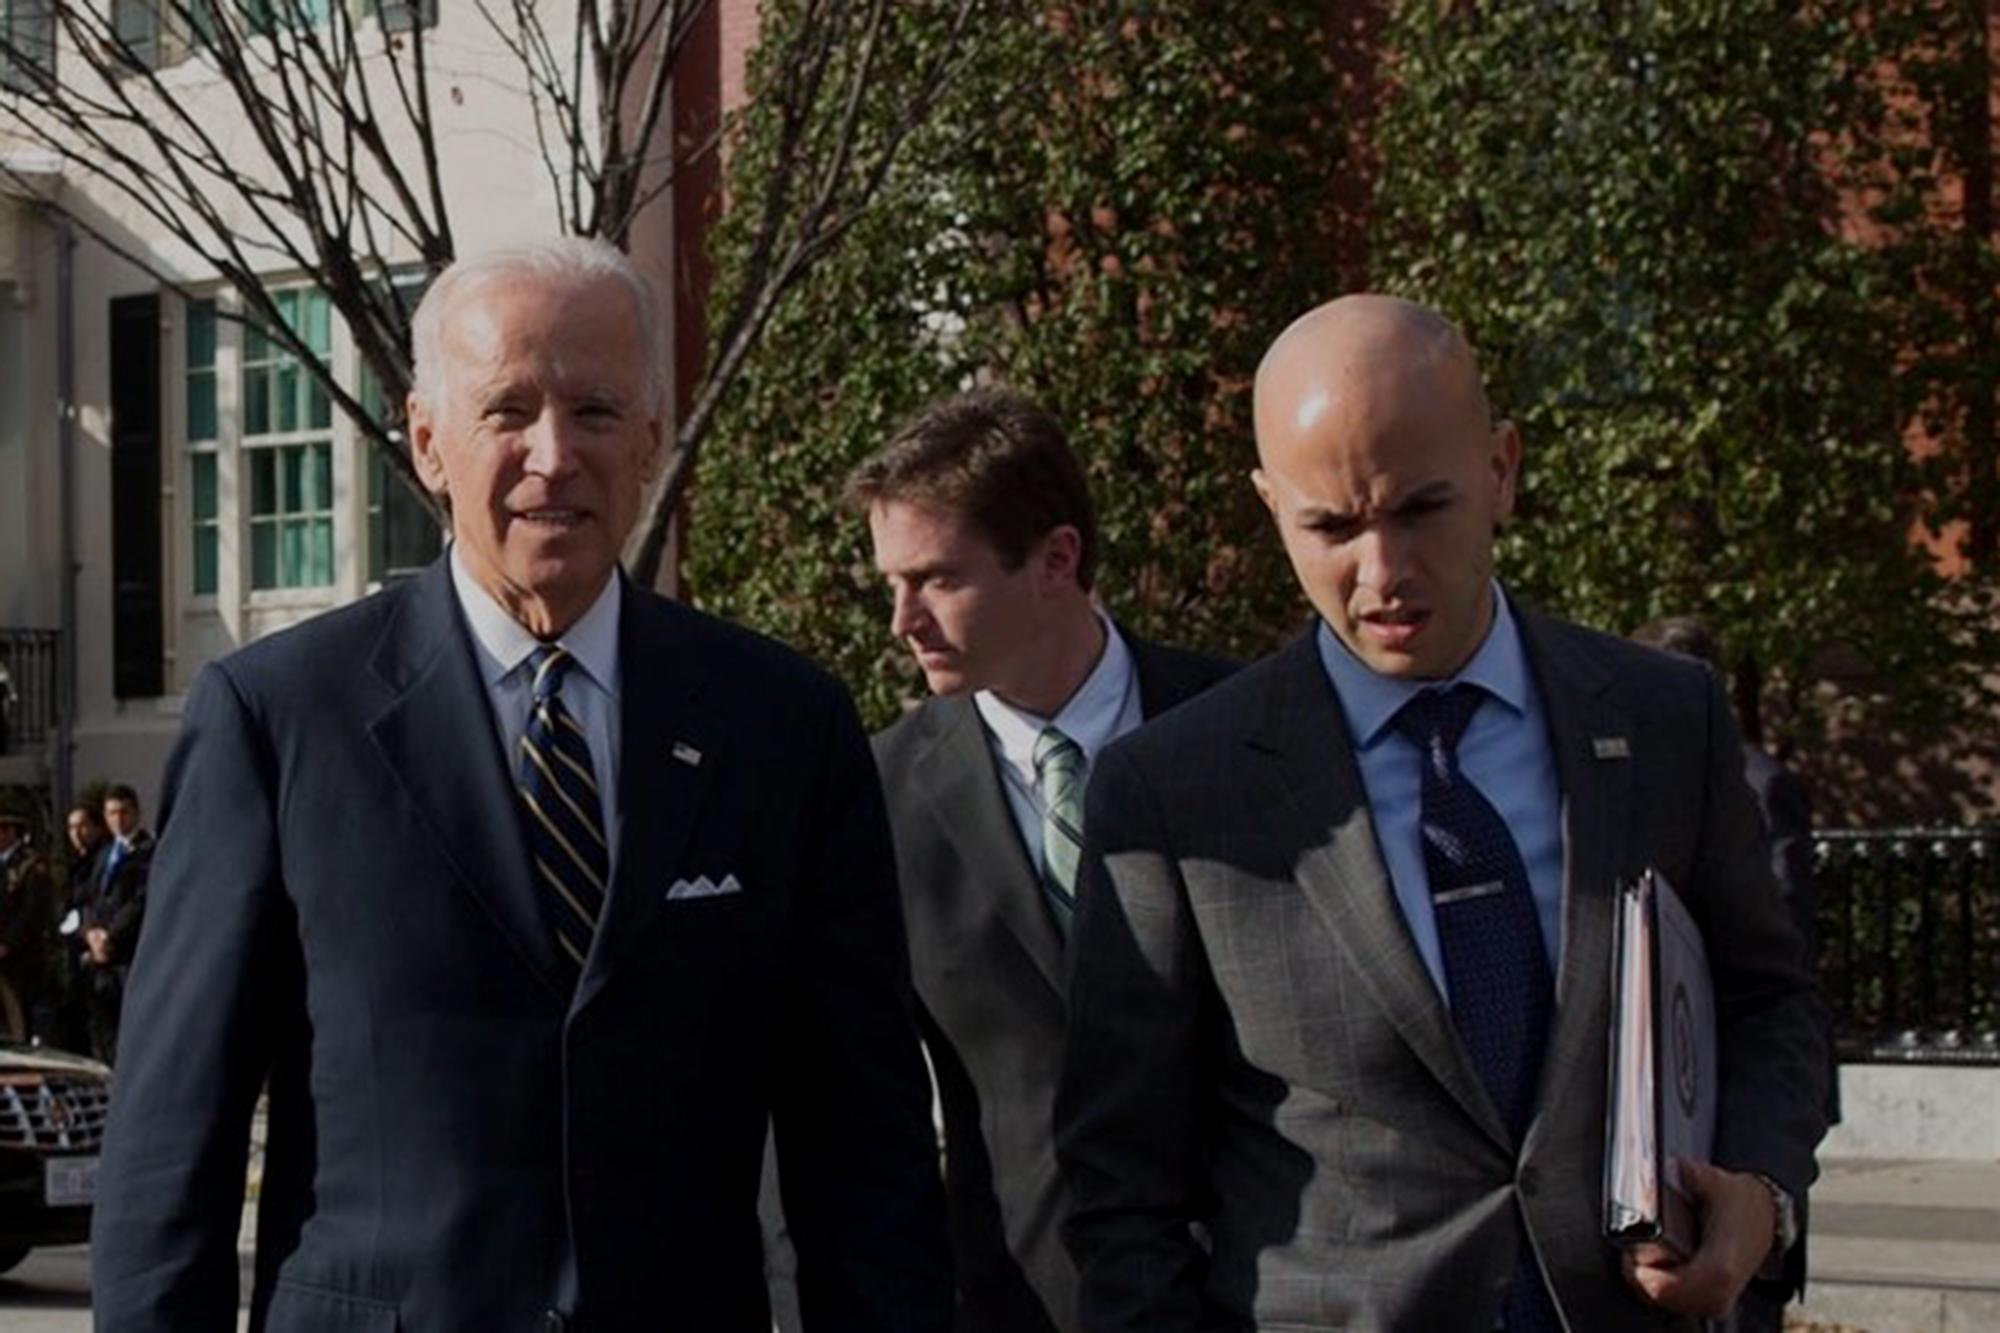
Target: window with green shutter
[
  {"x": 204, "y": 512},
  {"x": 288, "y": 448}
]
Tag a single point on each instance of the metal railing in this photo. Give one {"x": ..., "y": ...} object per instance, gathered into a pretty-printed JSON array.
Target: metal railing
[
  {"x": 28, "y": 666},
  {"x": 1910, "y": 943}
]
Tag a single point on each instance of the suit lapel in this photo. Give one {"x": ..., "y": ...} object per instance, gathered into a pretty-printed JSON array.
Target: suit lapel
[
  {"x": 438, "y": 741},
  {"x": 1318, "y": 805},
  {"x": 1592, "y": 741},
  {"x": 668, "y": 754},
  {"x": 962, "y": 783},
  {"x": 1158, "y": 688}
]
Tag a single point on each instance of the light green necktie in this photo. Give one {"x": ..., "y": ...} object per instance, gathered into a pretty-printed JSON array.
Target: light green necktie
[{"x": 1059, "y": 778}]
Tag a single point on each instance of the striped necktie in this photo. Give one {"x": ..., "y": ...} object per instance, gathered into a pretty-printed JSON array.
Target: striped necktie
[
  {"x": 1059, "y": 778},
  {"x": 565, "y": 813}
]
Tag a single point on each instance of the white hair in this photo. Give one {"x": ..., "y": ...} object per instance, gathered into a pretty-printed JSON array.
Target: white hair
[{"x": 572, "y": 259}]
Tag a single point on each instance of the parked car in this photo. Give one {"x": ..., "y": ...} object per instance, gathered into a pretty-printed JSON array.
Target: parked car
[{"x": 52, "y": 1108}]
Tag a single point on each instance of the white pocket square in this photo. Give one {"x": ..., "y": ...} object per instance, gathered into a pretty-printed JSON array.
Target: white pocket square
[{"x": 701, "y": 886}]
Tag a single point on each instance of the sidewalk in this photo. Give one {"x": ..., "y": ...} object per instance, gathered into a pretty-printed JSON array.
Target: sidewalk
[
  {"x": 1896, "y": 1246},
  {"x": 1904, "y": 1247}
]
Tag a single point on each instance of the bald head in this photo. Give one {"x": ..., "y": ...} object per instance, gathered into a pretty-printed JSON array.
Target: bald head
[
  {"x": 1354, "y": 355},
  {"x": 1387, "y": 478}
]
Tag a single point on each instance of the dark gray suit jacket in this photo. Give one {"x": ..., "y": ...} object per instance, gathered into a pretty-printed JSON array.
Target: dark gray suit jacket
[
  {"x": 988, "y": 963},
  {"x": 1267, "y": 1119},
  {"x": 342, "y": 905}
]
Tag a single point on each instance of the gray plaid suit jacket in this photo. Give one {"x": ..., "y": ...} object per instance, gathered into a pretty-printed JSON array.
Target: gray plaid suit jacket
[{"x": 1266, "y": 1117}]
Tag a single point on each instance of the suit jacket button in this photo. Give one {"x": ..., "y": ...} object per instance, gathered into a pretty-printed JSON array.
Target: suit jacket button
[
  {"x": 1527, "y": 1181},
  {"x": 554, "y": 1321}
]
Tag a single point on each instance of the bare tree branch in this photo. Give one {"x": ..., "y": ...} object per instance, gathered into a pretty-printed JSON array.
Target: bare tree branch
[
  {"x": 312, "y": 156},
  {"x": 773, "y": 273}
]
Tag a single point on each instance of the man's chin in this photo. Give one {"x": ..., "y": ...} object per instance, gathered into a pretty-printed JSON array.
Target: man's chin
[
  {"x": 1404, "y": 660},
  {"x": 946, "y": 683}
]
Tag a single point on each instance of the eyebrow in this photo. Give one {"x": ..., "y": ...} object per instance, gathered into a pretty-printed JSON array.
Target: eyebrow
[
  {"x": 928, "y": 569},
  {"x": 1431, "y": 493}
]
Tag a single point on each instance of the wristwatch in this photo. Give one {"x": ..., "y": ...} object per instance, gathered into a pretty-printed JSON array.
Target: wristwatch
[{"x": 1785, "y": 1228}]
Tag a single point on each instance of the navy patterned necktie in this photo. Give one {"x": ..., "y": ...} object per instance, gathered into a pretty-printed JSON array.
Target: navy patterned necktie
[
  {"x": 1502, "y": 994},
  {"x": 565, "y": 813}
]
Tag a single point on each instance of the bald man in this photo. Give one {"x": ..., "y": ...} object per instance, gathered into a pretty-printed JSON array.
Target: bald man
[{"x": 1341, "y": 968}]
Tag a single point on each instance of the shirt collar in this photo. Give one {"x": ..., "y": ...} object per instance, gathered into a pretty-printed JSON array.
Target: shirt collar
[
  {"x": 1088, "y": 718},
  {"x": 1369, "y": 700},
  {"x": 503, "y": 643}
]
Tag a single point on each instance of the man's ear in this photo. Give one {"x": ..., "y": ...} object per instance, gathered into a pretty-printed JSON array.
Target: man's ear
[
  {"x": 1506, "y": 460},
  {"x": 423, "y": 445},
  {"x": 656, "y": 450},
  {"x": 1059, "y": 554},
  {"x": 1262, "y": 485}
]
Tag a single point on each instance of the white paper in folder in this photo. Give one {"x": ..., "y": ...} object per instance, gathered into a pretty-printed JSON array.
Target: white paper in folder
[{"x": 1663, "y": 1067}]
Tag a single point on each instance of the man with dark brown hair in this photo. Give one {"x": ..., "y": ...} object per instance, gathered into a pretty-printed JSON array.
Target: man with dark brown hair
[
  {"x": 114, "y": 911},
  {"x": 983, "y": 527}
]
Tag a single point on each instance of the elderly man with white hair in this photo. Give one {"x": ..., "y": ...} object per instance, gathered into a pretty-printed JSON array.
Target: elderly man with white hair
[{"x": 533, "y": 898}]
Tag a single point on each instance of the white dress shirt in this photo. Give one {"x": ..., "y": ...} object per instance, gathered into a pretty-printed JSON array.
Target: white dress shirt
[
  {"x": 501, "y": 647},
  {"x": 1104, "y": 707}
]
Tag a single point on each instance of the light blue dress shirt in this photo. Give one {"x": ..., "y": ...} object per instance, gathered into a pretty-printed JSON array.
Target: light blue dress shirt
[{"x": 1505, "y": 752}]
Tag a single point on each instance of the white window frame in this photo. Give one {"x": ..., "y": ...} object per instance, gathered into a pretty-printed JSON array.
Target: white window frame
[{"x": 303, "y": 435}]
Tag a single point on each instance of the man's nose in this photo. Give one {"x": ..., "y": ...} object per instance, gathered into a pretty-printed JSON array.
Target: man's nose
[
  {"x": 552, "y": 445},
  {"x": 1382, "y": 557},
  {"x": 906, "y": 612}
]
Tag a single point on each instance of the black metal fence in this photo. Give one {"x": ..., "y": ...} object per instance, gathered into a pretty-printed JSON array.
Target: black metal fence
[
  {"x": 1910, "y": 943},
  {"x": 27, "y": 688}
]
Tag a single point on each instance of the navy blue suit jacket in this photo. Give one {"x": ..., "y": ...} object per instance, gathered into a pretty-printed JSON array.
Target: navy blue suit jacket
[{"x": 341, "y": 905}]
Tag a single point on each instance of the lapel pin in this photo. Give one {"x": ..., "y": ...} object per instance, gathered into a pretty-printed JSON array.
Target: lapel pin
[
  {"x": 1611, "y": 747},
  {"x": 687, "y": 754}
]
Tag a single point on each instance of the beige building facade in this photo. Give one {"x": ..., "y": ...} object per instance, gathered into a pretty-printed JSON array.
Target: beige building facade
[{"x": 172, "y": 485}]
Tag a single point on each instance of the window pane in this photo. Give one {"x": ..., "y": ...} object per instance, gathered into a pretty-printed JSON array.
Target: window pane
[
  {"x": 319, "y": 477},
  {"x": 205, "y": 559},
  {"x": 287, "y": 302},
  {"x": 413, "y": 536},
  {"x": 402, "y": 535},
  {"x": 368, "y": 393},
  {"x": 201, "y": 335},
  {"x": 256, "y": 402},
  {"x": 318, "y": 316},
  {"x": 202, "y": 467},
  {"x": 319, "y": 552},
  {"x": 403, "y": 15},
  {"x": 263, "y": 482},
  {"x": 256, "y": 347},
  {"x": 137, "y": 26},
  {"x": 319, "y": 409},
  {"x": 288, "y": 395},
  {"x": 291, "y": 553},
  {"x": 201, "y": 405},
  {"x": 290, "y": 483},
  {"x": 264, "y": 555},
  {"x": 29, "y": 53}
]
